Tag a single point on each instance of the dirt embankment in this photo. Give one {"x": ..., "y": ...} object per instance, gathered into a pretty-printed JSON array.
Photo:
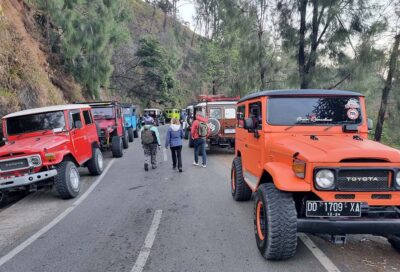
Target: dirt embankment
[{"x": 27, "y": 79}]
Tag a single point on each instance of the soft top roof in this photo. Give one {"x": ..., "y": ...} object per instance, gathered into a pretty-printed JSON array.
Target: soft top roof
[
  {"x": 47, "y": 109},
  {"x": 300, "y": 92}
]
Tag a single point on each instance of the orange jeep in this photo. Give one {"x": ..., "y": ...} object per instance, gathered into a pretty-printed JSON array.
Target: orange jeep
[{"x": 306, "y": 156}]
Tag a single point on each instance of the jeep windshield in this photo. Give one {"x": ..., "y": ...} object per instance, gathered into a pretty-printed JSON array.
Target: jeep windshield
[
  {"x": 103, "y": 113},
  {"x": 126, "y": 111},
  {"x": 290, "y": 111},
  {"x": 35, "y": 122}
]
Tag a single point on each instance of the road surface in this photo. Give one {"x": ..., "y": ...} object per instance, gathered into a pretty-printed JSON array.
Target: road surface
[{"x": 162, "y": 220}]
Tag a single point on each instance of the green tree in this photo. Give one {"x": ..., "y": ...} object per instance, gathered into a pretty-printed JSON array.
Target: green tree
[{"x": 86, "y": 33}]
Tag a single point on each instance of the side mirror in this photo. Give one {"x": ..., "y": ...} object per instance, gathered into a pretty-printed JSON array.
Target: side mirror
[
  {"x": 370, "y": 124},
  {"x": 249, "y": 124}
]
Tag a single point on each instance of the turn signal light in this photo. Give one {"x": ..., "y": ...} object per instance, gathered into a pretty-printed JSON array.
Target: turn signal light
[
  {"x": 299, "y": 168},
  {"x": 50, "y": 156}
]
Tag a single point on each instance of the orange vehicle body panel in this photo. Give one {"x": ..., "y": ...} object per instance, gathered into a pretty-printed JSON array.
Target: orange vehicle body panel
[{"x": 271, "y": 152}]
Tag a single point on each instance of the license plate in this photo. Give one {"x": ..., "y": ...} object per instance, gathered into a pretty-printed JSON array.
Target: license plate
[
  {"x": 229, "y": 130},
  {"x": 333, "y": 209}
]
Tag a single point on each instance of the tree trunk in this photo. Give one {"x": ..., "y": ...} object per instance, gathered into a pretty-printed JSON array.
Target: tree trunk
[
  {"x": 261, "y": 60},
  {"x": 387, "y": 88},
  {"x": 302, "y": 33},
  {"x": 165, "y": 15}
]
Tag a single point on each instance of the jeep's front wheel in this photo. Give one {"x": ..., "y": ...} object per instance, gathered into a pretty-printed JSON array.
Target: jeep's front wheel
[
  {"x": 394, "y": 240},
  {"x": 275, "y": 223},
  {"x": 125, "y": 141},
  {"x": 117, "y": 147},
  {"x": 95, "y": 164},
  {"x": 130, "y": 134},
  {"x": 239, "y": 188},
  {"x": 3, "y": 199},
  {"x": 67, "y": 181}
]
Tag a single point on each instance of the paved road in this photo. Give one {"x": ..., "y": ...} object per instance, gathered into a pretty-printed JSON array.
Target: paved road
[{"x": 201, "y": 227}]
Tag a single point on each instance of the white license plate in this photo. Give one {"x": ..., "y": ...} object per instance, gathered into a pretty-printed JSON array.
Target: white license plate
[{"x": 229, "y": 130}]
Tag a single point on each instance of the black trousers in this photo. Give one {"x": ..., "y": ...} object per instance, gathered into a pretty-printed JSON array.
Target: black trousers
[{"x": 176, "y": 152}]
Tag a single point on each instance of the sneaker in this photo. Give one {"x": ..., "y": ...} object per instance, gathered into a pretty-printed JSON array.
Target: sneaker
[
  {"x": 204, "y": 165},
  {"x": 173, "y": 167},
  {"x": 146, "y": 167},
  {"x": 153, "y": 166},
  {"x": 180, "y": 170},
  {"x": 196, "y": 163}
]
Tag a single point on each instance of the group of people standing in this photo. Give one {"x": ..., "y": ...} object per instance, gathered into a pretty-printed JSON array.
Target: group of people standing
[{"x": 174, "y": 140}]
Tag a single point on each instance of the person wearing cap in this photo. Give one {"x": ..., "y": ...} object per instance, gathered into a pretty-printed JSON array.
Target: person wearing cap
[{"x": 150, "y": 142}]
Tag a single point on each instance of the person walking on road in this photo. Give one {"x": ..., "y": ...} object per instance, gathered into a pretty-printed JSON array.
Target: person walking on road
[
  {"x": 199, "y": 132},
  {"x": 150, "y": 141},
  {"x": 174, "y": 140}
]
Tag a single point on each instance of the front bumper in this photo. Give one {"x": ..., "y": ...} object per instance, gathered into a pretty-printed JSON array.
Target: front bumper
[
  {"x": 27, "y": 179},
  {"x": 377, "y": 226}
]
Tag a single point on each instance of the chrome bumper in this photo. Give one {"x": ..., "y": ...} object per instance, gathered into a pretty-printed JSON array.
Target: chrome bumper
[{"x": 26, "y": 180}]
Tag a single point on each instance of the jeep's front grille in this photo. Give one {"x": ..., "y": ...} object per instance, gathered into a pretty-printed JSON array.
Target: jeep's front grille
[
  {"x": 363, "y": 180},
  {"x": 10, "y": 165}
]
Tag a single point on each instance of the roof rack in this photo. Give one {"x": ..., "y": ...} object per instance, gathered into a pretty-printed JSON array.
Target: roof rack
[
  {"x": 100, "y": 103},
  {"x": 216, "y": 98}
]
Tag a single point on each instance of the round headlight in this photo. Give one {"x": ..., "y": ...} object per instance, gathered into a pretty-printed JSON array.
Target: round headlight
[
  {"x": 398, "y": 179},
  {"x": 325, "y": 179},
  {"x": 35, "y": 160}
]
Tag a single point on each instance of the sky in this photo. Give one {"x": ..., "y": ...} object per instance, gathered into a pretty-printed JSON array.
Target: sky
[{"x": 187, "y": 12}]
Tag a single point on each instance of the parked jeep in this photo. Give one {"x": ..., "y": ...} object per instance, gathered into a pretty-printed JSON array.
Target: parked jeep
[
  {"x": 131, "y": 120},
  {"x": 189, "y": 112},
  {"x": 306, "y": 156},
  {"x": 44, "y": 146},
  {"x": 110, "y": 125},
  {"x": 221, "y": 114}
]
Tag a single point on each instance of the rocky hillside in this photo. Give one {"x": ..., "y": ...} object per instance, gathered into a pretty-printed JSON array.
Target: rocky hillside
[
  {"x": 26, "y": 77},
  {"x": 32, "y": 73}
]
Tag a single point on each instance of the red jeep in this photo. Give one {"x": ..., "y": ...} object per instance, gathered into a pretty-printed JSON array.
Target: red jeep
[
  {"x": 110, "y": 124},
  {"x": 44, "y": 146}
]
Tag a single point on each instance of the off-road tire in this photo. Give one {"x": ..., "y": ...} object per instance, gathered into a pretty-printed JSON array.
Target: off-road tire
[
  {"x": 62, "y": 181},
  {"x": 395, "y": 242},
  {"x": 125, "y": 139},
  {"x": 191, "y": 141},
  {"x": 276, "y": 219},
  {"x": 94, "y": 165},
  {"x": 4, "y": 199},
  {"x": 136, "y": 133},
  {"x": 131, "y": 135},
  {"x": 117, "y": 147},
  {"x": 239, "y": 188}
]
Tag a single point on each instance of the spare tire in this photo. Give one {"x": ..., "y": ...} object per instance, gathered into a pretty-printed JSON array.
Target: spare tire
[{"x": 214, "y": 125}]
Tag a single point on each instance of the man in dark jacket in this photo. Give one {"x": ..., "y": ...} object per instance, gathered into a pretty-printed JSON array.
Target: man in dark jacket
[{"x": 199, "y": 141}]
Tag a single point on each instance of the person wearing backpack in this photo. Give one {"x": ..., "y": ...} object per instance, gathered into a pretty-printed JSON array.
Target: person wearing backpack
[
  {"x": 174, "y": 140},
  {"x": 199, "y": 133},
  {"x": 150, "y": 142}
]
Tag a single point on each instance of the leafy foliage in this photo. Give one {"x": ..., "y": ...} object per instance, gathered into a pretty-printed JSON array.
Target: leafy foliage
[{"x": 86, "y": 32}]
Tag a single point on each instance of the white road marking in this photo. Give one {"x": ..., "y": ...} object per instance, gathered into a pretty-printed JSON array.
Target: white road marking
[
  {"x": 321, "y": 257},
  {"x": 148, "y": 243},
  {"x": 55, "y": 221}
]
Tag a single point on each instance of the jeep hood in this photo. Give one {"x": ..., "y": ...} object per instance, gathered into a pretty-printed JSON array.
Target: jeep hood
[
  {"x": 33, "y": 144},
  {"x": 331, "y": 148}
]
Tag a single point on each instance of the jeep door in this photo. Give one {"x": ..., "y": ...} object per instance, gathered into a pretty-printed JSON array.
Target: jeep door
[
  {"x": 82, "y": 146},
  {"x": 254, "y": 143}
]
